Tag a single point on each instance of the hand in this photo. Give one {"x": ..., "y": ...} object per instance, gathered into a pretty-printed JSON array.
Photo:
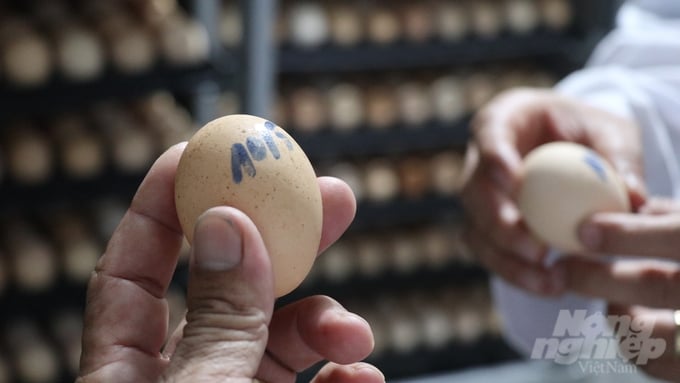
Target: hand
[
  {"x": 505, "y": 130},
  {"x": 231, "y": 333},
  {"x": 665, "y": 366},
  {"x": 651, "y": 285}
]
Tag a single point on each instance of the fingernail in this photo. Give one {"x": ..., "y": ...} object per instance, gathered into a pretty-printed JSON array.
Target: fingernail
[
  {"x": 347, "y": 316},
  {"x": 217, "y": 244},
  {"x": 590, "y": 236},
  {"x": 367, "y": 367}
]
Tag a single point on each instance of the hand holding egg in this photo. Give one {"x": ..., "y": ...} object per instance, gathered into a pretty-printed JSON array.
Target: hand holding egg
[
  {"x": 231, "y": 319},
  {"x": 253, "y": 165},
  {"x": 505, "y": 129}
]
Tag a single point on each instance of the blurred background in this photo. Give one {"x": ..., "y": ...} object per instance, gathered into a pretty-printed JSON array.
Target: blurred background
[{"x": 377, "y": 92}]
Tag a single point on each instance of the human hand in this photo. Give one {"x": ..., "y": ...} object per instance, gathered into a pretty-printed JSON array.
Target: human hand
[
  {"x": 652, "y": 236},
  {"x": 231, "y": 333},
  {"x": 644, "y": 288},
  {"x": 510, "y": 126}
]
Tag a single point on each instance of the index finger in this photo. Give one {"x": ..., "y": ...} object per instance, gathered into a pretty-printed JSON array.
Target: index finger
[
  {"x": 633, "y": 234},
  {"x": 126, "y": 313}
]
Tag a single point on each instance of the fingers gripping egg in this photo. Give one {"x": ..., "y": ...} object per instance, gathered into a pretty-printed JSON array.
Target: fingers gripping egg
[
  {"x": 564, "y": 183},
  {"x": 253, "y": 165}
]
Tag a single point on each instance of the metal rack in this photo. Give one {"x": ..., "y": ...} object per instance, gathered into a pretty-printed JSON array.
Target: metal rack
[
  {"x": 254, "y": 70},
  {"x": 196, "y": 85},
  {"x": 562, "y": 52}
]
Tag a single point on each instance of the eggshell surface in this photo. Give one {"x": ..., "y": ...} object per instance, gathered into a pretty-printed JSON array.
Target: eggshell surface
[
  {"x": 563, "y": 184},
  {"x": 253, "y": 165}
]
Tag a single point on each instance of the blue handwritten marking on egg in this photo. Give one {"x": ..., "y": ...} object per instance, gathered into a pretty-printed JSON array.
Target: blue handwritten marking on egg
[
  {"x": 271, "y": 126},
  {"x": 256, "y": 147},
  {"x": 595, "y": 163},
  {"x": 240, "y": 159},
  {"x": 289, "y": 144},
  {"x": 269, "y": 140}
]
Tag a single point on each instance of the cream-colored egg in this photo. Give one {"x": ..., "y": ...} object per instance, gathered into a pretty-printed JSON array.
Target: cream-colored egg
[
  {"x": 253, "y": 165},
  {"x": 564, "y": 183}
]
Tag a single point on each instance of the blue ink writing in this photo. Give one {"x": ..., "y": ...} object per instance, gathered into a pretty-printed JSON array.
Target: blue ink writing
[
  {"x": 270, "y": 125},
  {"x": 240, "y": 159},
  {"x": 269, "y": 140},
  {"x": 596, "y": 164},
  {"x": 255, "y": 148}
]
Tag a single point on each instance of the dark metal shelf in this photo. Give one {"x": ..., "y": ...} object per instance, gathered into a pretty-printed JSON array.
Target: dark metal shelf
[
  {"x": 60, "y": 191},
  {"x": 405, "y": 212},
  {"x": 24, "y": 304},
  {"x": 330, "y": 145},
  {"x": 435, "y": 53},
  {"x": 64, "y": 191},
  {"x": 60, "y": 94},
  {"x": 392, "y": 282}
]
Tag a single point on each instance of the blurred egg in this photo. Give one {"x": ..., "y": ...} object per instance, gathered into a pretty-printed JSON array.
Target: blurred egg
[
  {"x": 564, "y": 183},
  {"x": 253, "y": 165},
  {"x": 308, "y": 24}
]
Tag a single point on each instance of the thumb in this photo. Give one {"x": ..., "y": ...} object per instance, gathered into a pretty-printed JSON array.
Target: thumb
[{"x": 230, "y": 301}]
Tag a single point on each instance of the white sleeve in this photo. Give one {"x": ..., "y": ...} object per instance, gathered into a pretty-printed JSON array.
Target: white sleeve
[
  {"x": 526, "y": 317},
  {"x": 635, "y": 73}
]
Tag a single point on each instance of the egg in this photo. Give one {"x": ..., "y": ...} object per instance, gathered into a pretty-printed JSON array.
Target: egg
[
  {"x": 563, "y": 184},
  {"x": 253, "y": 165}
]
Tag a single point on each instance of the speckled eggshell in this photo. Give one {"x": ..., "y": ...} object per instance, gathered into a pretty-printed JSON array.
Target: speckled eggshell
[
  {"x": 563, "y": 184},
  {"x": 253, "y": 165}
]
